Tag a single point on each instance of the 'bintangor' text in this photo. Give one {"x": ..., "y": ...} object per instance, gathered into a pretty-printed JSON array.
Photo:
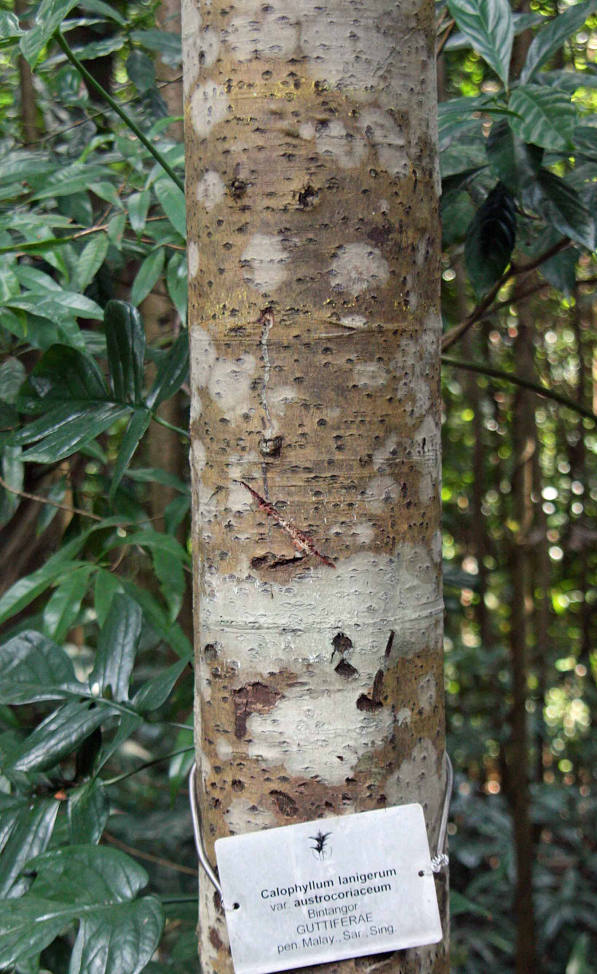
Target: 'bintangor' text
[{"x": 358, "y": 879}]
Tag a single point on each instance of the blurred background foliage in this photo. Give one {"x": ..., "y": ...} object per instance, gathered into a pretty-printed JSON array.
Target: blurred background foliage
[{"x": 95, "y": 655}]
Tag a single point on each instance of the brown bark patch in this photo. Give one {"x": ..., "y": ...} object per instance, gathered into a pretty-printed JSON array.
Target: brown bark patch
[
  {"x": 285, "y": 804},
  {"x": 373, "y": 702},
  {"x": 346, "y": 669},
  {"x": 255, "y": 698}
]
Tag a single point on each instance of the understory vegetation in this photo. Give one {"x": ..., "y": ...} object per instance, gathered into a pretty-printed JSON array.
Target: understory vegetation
[{"x": 96, "y": 680}]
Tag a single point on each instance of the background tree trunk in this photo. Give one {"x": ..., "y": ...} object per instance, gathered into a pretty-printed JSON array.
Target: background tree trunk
[{"x": 314, "y": 291}]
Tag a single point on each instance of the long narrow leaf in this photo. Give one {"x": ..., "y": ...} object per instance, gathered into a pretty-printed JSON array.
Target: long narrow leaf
[
  {"x": 137, "y": 427},
  {"x": 117, "y": 647},
  {"x": 125, "y": 338}
]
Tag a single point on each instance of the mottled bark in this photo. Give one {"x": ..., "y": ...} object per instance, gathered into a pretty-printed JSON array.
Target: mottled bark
[{"x": 314, "y": 279}]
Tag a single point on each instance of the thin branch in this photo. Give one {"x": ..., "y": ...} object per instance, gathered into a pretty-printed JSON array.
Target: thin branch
[
  {"x": 515, "y": 270},
  {"x": 128, "y": 121},
  {"x": 148, "y": 764},
  {"x": 148, "y": 856},
  {"x": 46, "y": 500},
  {"x": 518, "y": 380}
]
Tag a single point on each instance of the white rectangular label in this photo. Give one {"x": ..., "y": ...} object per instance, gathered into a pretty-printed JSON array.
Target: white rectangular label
[{"x": 325, "y": 890}]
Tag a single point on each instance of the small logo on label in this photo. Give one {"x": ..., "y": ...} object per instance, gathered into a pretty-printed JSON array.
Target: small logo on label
[{"x": 321, "y": 848}]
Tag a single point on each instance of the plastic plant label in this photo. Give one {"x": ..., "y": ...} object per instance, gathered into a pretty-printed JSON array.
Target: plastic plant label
[{"x": 334, "y": 888}]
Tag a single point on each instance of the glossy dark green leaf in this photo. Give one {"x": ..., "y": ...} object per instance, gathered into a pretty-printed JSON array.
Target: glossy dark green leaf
[
  {"x": 136, "y": 429},
  {"x": 147, "y": 275},
  {"x": 57, "y": 494},
  {"x": 65, "y": 430},
  {"x": 489, "y": 26},
  {"x": 59, "y": 735},
  {"x": 141, "y": 70},
  {"x": 97, "y": 885},
  {"x": 490, "y": 239},
  {"x": 155, "y": 692},
  {"x": 87, "y": 811},
  {"x": 30, "y": 835},
  {"x": 561, "y": 207},
  {"x": 13, "y": 474},
  {"x": 172, "y": 372},
  {"x": 34, "y": 668},
  {"x": 170, "y": 632},
  {"x": 515, "y": 163},
  {"x": 173, "y": 203},
  {"x": 106, "y": 587},
  {"x": 48, "y": 18},
  {"x": 117, "y": 646},
  {"x": 125, "y": 338},
  {"x": 585, "y": 142},
  {"x": 23, "y": 592},
  {"x": 122, "y": 938},
  {"x": 544, "y": 116},
  {"x": 62, "y": 609},
  {"x": 12, "y": 375},
  {"x": 550, "y": 38},
  {"x": 62, "y": 375},
  {"x": 560, "y": 270}
]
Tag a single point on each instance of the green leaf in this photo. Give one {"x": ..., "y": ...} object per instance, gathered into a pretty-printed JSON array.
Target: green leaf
[
  {"x": 61, "y": 611},
  {"x": 13, "y": 474},
  {"x": 34, "y": 668},
  {"x": 140, "y": 70},
  {"x": 550, "y": 38},
  {"x": 459, "y": 904},
  {"x": 12, "y": 375},
  {"x": 117, "y": 646},
  {"x": 177, "y": 281},
  {"x": 104, "y": 9},
  {"x": 490, "y": 239},
  {"x": 170, "y": 632},
  {"x": 87, "y": 810},
  {"x": 147, "y": 275},
  {"x": 175, "y": 512},
  {"x": 125, "y": 338},
  {"x": 170, "y": 574},
  {"x": 181, "y": 764},
  {"x": 488, "y": 24},
  {"x": 173, "y": 204},
  {"x": 91, "y": 259},
  {"x": 154, "y": 475},
  {"x": 136, "y": 429},
  {"x": 62, "y": 375},
  {"x": 172, "y": 372},
  {"x": 138, "y": 205},
  {"x": 56, "y": 493},
  {"x": 561, "y": 206},
  {"x": 514, "y": 162},
  {"x": 544, "y": 116},
  {"x": 106, "y": 587},
  {"x": 9, "y": 27},
  {"x": 579, "y": 962},
  {"x": 48, "y": 19},
  {"x": 65, "y": 430},
  {"x": 97, "y": 885},
  {"x": 167, "y": 44},
  {"x": 30, "y": 835},
  {"x": 156, "y": 691},
  {"x": 23, "y": 592},
  {"x": 59, "y": 735}
]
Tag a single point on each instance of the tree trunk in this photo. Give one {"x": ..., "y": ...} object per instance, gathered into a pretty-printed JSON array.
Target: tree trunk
[{"x": 314, "y": 293}]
